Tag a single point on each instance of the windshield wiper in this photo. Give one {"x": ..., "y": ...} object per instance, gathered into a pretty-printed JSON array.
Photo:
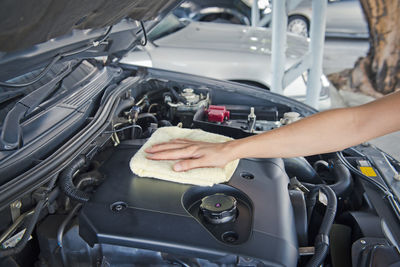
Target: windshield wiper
[{"x": 11, "y": 132}]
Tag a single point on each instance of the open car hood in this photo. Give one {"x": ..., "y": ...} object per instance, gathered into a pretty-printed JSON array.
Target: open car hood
[
  {"x": 25, "y": 23},
  {"x": 33, "y": 32}
]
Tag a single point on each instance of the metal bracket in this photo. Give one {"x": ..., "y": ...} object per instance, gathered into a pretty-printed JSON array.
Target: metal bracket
[
  {"x": 311, "y": 61},
  {"x": 15, "y": 209}
]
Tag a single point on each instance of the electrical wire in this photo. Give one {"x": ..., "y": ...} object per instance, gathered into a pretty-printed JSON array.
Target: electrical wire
[
  {"x": 124, "y": 128},
  {"x": 144, "y": 41},
  {"x": 25, "y": 237},
  {"x": 93, "y": 44},
  {"x": 56, "y": 59},
  {"x": 60, "y": 233},
  {"x": 387, "y": 194},
  {"x": 359, "y": 173}
]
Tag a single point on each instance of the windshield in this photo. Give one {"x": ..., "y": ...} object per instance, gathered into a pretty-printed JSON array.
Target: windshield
[{"x": 167, "y": 26}]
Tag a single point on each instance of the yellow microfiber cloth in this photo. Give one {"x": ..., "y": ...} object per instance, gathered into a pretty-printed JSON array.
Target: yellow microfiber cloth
[{"x": 163, "y": 170}]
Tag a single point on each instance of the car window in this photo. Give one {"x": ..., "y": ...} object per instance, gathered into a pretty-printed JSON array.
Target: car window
[{"x": 167, "y": 26}]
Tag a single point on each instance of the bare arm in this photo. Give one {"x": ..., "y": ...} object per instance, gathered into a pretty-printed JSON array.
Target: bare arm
[{"x": 324, "y": 132}]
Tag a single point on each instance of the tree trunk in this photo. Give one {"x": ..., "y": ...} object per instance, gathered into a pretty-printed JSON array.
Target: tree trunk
[{"x": 378, "y": 73}]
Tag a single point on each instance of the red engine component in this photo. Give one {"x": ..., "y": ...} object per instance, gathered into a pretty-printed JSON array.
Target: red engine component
[{"x": 217, "y": 113}]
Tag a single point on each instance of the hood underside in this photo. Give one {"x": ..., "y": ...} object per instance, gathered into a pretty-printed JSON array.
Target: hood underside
[{"x": 24, "y": 23}]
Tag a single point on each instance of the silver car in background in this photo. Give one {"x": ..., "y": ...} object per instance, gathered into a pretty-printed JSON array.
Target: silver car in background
[
  {"x": 344, "y": 18},
  {"x": 222, "y": 51}
]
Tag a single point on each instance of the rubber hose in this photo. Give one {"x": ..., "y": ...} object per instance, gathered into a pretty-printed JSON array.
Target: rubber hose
[
  {"x": 343, "y": 180},
  {"x": 28, "y": 232},
  {"x": 321, "y": 243},
  {"x": 319, "y": 163},
  {"x": 300, "y": 168},
  {"x": 60, "y": 232},
  {"x": 66, "y": 184},
  {"x": 311, "y": 200},
  {"x": 320, "y": 253},
  {"x": 147, "y": 115},
  {"x": 86, "y": 179},
  {"x": 163, "y": 123},
  {"x": 177, "y": 96}
]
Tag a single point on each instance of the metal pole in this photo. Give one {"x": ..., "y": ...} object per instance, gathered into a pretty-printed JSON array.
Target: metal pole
[
  {"x": 255, "y": 13},
  {"x": 279, "y": 22},
  {"x": 317, "y": 38}
]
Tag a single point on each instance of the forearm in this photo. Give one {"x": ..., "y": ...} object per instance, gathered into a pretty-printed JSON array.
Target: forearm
[{"x": 321, "y": 133}]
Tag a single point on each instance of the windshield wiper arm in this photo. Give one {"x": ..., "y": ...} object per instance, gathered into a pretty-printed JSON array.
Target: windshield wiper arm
[{"x": 11, "y": 133}]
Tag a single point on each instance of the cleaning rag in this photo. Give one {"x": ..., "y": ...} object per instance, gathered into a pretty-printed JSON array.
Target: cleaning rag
[{"x": 163, "y": 169}]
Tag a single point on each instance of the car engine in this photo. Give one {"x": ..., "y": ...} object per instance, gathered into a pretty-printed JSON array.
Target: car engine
[
  {"x": 272, "y": 212},
  {"x": 248, "y": 221},
  {"x": 148, "y": 221}
]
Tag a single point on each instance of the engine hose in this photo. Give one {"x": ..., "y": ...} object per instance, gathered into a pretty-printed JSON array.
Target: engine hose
[
  {"x": 305, "y": 173},
  {"x": 321, "y": 163},
  {"x": 343, "y": 180},
  {"x": 147, "y": 115},
  {"x": 177, "y": 96},
  {"x": 300, "y": 168},
  {"x": 61, "y": 229},
  {"x": 28, "y": 232},
  {"x": 163, "y": 123},
  {"x": 66, "y": 184},
  {"x": 321, "y": 243},
  {"x": 86, "y": 179}
]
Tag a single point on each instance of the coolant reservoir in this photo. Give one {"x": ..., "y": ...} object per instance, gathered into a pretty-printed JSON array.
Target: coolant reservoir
[{"x": 290, "y": 117}]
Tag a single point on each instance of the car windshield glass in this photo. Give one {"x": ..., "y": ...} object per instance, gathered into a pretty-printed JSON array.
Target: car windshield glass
[{"x": 167, "y": 26}]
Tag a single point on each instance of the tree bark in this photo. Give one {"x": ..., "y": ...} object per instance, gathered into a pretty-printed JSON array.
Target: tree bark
[{"x": 378, "y": 73}]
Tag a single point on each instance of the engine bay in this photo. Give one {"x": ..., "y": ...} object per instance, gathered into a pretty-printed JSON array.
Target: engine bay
[{"x": 273, "y": 212}]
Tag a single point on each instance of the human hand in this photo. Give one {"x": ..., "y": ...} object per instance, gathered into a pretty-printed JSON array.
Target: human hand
[{"x": 193, "y": 154}]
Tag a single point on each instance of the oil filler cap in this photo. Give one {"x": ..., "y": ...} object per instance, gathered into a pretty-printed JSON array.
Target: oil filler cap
[{"x": 218, "y": 208}]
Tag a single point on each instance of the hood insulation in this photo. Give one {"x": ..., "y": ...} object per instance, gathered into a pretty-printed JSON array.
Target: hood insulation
[{"x": 24, "y": 23}]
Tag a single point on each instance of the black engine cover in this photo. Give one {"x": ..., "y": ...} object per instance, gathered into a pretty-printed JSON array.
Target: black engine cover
[{"x": 147, "y": 213}]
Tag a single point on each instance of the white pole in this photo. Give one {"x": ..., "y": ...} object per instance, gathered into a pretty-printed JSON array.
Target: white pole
[
  {"x": 255, "y": 14},
  {"x": 279, "y": 22},
  {"x": 317, "y": 39}
]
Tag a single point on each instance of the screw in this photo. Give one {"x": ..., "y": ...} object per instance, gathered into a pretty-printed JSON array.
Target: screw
[
  {"x": 17, "y": 204},
  {"x": 397, "y": 176},
  {"x": 247, "y": 175},
  {"x": 118, "y": 206},
  {"x": 362, "y": 241}
]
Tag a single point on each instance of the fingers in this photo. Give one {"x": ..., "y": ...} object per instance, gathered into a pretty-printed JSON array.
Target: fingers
[
  {"x": 173, "y": 144},
  {"x": 173, "y": 154},
  {"x": 188, "y": 164},
  {"x": 165, "y": 146}
]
